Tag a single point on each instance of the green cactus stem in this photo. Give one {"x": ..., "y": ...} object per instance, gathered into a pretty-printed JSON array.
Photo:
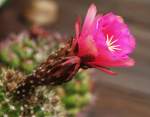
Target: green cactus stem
[
  {"x": 76, "y": 94},
  {"x": 28, "y": 49},
  {"x": 43, "y": 103}
]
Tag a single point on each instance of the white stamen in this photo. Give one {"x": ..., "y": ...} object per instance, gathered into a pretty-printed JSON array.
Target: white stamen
[{"x": 111, "y": 43}]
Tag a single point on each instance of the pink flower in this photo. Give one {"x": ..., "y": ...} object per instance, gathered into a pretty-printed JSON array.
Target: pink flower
[{"x": 106, "y": 39}]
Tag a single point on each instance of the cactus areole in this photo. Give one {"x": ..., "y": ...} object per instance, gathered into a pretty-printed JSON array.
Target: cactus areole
[{"x": 104, "y": 41}]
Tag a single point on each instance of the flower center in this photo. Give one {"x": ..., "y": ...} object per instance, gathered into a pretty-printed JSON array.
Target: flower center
[{"x": 111, "y": 43}]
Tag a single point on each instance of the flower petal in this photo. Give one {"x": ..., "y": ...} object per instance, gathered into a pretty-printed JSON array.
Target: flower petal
[
  {"x": 106, "y": 70},
  {"x": 89, "y": 17},
  {"x": 128, "y": 62},
  {"x": 87, "y": 46},
  {"x": 77, "y": 27}
]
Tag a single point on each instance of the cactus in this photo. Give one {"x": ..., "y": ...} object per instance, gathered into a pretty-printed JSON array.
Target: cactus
[
  {"x": 43, "y": 103},
  {"x": 76, "y": 94},
  {"x": 25, "y": 52}
]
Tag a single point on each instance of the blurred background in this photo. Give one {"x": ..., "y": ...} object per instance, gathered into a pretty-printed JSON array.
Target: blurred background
[{"x": 125, "y": 95}]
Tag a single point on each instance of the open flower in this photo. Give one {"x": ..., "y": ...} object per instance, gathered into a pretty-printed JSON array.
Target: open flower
[{"x": 105, "y": 39}]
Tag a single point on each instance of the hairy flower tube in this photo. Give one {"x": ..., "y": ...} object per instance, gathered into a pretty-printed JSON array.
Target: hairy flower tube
[{"x": 105, "y": 39}]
